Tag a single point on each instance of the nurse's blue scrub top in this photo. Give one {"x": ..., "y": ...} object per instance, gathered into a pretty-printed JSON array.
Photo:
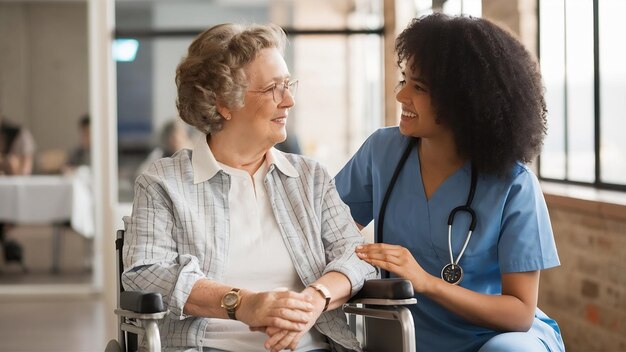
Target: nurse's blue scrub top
[{"x": 513, "y": 232}]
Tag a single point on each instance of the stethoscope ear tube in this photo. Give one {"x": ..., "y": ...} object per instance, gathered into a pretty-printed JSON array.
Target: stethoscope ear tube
[{"x": 467, "y": 209}]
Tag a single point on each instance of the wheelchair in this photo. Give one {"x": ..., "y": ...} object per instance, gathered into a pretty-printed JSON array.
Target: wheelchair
[{"x": 384, "y": 323}]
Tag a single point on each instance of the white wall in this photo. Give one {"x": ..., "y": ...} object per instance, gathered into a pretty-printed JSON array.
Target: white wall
[
  {"x": 13, "y": 71},
  {"x": 44, "y": 69}
]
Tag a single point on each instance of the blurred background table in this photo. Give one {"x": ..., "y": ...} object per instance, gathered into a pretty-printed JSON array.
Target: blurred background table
[{"x": 48, "y": 200}]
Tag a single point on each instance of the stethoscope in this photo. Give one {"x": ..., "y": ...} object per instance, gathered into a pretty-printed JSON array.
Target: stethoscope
[{"x": 451, "y": 272}]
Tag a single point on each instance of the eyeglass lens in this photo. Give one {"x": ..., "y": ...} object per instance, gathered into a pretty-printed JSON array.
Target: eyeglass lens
[{"x": 279, "y": 90}]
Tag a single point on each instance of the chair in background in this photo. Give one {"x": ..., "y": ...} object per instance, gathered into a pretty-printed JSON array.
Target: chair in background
[{"x": 387, "y": 325}]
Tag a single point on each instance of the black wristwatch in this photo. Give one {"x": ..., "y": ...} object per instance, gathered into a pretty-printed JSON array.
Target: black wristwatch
[{"x": 231, "y": 301}]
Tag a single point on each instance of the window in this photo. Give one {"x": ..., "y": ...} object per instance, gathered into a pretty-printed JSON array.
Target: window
[{"x": 582, "y": 59}]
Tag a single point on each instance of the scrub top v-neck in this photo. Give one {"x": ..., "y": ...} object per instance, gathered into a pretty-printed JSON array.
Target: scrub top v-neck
[{"x": 513, "y": 232}]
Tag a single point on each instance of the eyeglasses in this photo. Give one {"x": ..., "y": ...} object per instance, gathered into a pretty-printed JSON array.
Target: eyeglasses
[{"x": 278, "y": 90}]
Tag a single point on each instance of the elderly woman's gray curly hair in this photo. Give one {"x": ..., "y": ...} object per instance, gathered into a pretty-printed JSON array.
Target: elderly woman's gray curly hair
[{"x": 213, "y": 71}]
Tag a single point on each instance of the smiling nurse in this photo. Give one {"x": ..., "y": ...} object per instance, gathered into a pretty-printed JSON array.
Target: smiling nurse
[{"x": 456, "y": 210}]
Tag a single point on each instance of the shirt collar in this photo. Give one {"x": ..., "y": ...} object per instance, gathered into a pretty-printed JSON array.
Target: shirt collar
[
  {"x": 205, "y": 166},
  {"x": 277, "y": 158},
  {"x": 202, "y": 160}
]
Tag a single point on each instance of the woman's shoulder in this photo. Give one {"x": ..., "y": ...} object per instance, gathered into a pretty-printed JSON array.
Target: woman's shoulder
[
  {"x": 304, "y": 164},
  {"x": 162, "y": 170},
  {"x": 522, "y": 174},
  {"x": 386, "y": 135},
  {"x": 518, "y": 173},
  {"x": 520, "y": 180},
  {"x": 384, "y": 142}
]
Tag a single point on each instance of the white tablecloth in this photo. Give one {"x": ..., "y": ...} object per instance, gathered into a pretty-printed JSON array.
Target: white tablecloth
[{"x": 42, "y": 200}]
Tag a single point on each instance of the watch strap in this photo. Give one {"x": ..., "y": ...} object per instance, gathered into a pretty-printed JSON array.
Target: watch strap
[
  {"x": 323, "y": 290},
  {"x": 231, "y": 310}
]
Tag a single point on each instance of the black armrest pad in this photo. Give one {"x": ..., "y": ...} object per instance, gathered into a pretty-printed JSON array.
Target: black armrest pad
[
  {"x": 386, "y": 289},
  {"x": 141, "y": 302}
]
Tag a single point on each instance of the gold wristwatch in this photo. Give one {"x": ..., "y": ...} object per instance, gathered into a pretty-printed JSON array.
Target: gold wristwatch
[
  {"x": 323, "y": 290},
  {"x": 231, "y": 301}
]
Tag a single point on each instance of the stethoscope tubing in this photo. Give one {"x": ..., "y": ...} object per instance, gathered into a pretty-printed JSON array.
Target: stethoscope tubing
[
  {"x": 390, "y": 187},
  {"x": 463, "y": 208}
]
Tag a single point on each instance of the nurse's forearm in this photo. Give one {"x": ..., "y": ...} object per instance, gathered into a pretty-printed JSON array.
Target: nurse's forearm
[{"x": 504, "y": 312}]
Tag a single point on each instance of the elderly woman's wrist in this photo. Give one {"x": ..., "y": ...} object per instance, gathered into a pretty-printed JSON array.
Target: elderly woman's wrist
[
  {"x": 318, "y": 300},
  {"x": 245, "y": 301}
]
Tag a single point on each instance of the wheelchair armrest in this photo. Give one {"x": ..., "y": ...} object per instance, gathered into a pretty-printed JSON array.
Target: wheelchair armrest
[
  {"x": 385, "y": 292},
  {"x": 141, "y": 302}
]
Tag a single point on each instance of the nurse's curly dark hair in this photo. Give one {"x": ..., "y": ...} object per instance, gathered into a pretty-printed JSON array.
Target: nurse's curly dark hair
[{"x": 484, "y": 85}]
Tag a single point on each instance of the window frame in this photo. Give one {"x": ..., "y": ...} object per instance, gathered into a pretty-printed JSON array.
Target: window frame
[{"x": 597, "y": 183}]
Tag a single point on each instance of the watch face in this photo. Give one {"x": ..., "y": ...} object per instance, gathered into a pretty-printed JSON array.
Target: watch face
[{"x": 230, "y": 299}]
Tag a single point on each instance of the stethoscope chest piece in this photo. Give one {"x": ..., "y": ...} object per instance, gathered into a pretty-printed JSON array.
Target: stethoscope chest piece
[{"x": 452, "y": 273}]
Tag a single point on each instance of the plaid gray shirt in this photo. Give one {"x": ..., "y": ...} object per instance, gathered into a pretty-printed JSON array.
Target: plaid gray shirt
[{"x": 179, "y": 233}]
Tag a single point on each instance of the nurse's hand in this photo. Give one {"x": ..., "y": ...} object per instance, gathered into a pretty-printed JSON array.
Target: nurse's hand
[{"x": 397, "y": 260}]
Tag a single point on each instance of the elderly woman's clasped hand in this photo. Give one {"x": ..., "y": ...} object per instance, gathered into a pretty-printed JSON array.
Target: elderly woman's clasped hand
[
  {"x": 280, "y": 338},
  {"x": 286, "y": 310}
]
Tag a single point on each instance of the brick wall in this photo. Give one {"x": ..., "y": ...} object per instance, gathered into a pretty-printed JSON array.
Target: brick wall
[{"x": 587, "y": 294}]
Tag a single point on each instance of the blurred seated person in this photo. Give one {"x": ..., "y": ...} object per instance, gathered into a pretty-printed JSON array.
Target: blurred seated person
[
  {"x": 174, "y": 136},
  {"x": 17, "y": 148},
  {"x": 251, "y": 248},
  {"x": 81, "y": 155},
  {"x": 78, "y": 163}
]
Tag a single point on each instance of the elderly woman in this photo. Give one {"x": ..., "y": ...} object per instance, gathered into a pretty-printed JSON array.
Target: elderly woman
[{"x": 249, "y": 247}]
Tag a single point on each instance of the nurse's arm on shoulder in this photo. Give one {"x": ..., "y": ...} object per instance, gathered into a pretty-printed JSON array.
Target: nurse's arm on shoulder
[{"x": 514, "y": 310}]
